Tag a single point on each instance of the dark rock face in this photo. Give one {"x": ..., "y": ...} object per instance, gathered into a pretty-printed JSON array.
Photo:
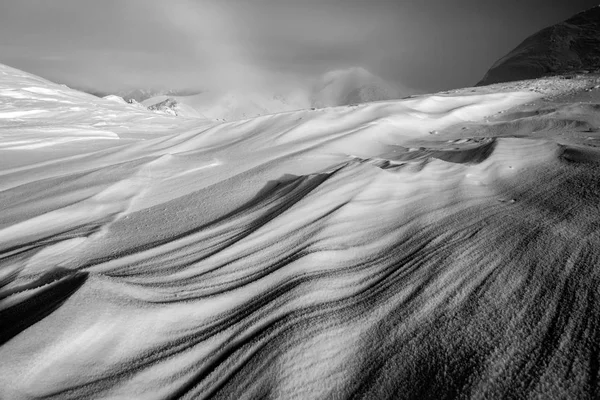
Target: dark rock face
[
  {"x": 169, "y": 106},
  {"x": 567, "y": 47}
]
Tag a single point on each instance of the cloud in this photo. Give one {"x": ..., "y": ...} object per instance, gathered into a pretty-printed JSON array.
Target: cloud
[{"x": 113, "y": 44}]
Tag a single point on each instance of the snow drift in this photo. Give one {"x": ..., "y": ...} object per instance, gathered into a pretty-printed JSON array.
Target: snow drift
[{"x": 397, "y": 249}]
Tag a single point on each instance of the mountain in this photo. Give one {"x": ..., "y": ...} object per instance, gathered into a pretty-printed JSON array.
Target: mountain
[
  {"x": 569, "y": 46},
  {"x": 140, "y": 95}
]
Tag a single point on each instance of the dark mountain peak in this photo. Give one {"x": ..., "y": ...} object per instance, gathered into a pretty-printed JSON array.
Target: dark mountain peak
[
  {"x": 569, "y": 46},
  {"x": 587, "y": 17}
]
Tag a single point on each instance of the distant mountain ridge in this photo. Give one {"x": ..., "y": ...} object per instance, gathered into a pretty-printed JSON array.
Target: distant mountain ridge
[
  {"x": 141, "y": 94},
  {"x": 568, "y": 46},
  {"x": 335, "y": 88}
]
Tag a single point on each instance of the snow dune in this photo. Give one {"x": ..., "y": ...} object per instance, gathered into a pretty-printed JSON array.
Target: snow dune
[{"x": 399, "y": 249}]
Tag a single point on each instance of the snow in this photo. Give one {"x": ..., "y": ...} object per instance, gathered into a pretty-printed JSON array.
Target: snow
[
  {"x": 14, "y": 94},
  {"x": 296, "y": 255},
  {"x": 17, "y": 114},
  {"x": 114, "y": 98},
  {"x": 40, "y": 90}
]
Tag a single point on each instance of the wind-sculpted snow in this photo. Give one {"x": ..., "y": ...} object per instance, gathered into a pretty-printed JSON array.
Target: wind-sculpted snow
[{"x": 402, "y": 249}]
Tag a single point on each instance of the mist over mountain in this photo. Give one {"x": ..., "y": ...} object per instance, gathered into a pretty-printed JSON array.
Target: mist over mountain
[
  {"x": 234, "y": 105},
  {"x": 351, "y": 86},
  {"x": 569, "y": 46},
  {"x": 335, "y": 88}
]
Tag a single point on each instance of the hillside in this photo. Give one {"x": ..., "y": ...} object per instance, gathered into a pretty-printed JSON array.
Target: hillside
[{"x": 567, "y": 47}]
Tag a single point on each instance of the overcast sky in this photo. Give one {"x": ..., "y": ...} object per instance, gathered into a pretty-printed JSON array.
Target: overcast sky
[{"x": 108, "y": 45}]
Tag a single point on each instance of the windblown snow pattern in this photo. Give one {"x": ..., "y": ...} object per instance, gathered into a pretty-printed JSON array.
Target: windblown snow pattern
[{"x": 396, "y": 249}]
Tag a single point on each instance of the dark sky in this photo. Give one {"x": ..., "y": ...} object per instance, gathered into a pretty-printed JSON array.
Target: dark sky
[{"x": 107, "y": 45}]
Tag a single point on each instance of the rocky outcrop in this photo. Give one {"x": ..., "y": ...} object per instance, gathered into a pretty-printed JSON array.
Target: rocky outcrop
[{"x": 169, "y": 107}]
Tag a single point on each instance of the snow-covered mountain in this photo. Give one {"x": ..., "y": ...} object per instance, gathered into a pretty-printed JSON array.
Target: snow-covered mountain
[
  {"x": 141, "y": 94},
  {"x": 569, "y": 46}
]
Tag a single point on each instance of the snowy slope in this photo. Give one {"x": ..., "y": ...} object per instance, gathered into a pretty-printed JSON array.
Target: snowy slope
[
  {"x": 35, "y": 113},
  {"x": 424, "y": 247}
]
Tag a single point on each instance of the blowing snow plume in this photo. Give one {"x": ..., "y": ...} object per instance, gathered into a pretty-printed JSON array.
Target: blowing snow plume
[
  {"x": 440, "y": 246},
  {"x": 335, "y": 88},
  {"x": 351, "y": 86}
]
